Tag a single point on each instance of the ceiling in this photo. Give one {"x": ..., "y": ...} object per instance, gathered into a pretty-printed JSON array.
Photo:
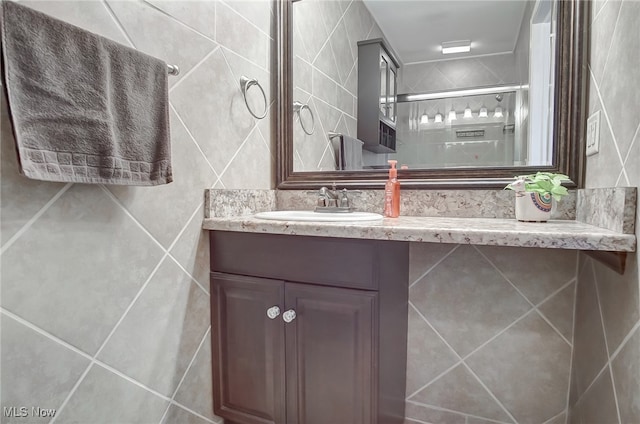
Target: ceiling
[{"x": 416, "y": 28}]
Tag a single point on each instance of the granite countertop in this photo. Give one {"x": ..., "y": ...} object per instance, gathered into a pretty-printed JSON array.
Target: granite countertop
[{"x": 556, "y": 234}]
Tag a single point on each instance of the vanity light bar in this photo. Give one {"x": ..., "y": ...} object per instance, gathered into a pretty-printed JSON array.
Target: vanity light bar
[{"x": 404, "y": 98}]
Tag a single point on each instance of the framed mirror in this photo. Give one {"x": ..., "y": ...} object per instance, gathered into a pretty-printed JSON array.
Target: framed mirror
[{"x": 450, "y": 125}]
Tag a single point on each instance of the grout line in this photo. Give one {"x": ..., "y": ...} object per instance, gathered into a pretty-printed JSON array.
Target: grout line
[
  {"x": 307, "y": 58},
  {"x": 227, "y": 3},
  {"x": 330, "y": 34},
  {"x": 324, "y": 153},
  {"x": 550, "y": 420},
  {"x": 625, "y": 340},
  {"x": 193, "y": 359},
  {"x": 254, "y": 128},
  {"x": 573, "y": 335},
  {"x": 34, "y": 218},
  {"x": 441, "y": 339},
  {"x": 332, "y": 106},
  {"x": 94, "y": 361},
  {"x": 534, "y": 306},
  {"x": 73, "y": 390},
  {"x": 131, "y": 304},
  {"x": 178, "y": 21},
  {"x": 193, "y": 68},
  {"x": 206, "y": 333},
  {"x": 599, "y": 12},
  {"x": 191, "y": 411},
  {"x": 602, "y": 370},
  {"x": 130, "y": 215},
  {"x": 636, "y": 135},
  {"x": 606, "y": 60},
  {"x": 269, "y": 41},
  {"x": 474, "y": 351},
  {"x": 606, "y": 341},
  {"x": 182, "y": 231},
  {"x": 620, "y": 175},
  {"x": 495, "y": 398},
  {"x": 462, "y": 359},
  {"x": 415, "y": 420},
  {"x": 4, "y": 311},
  {"x": 465, "y": 414},
  {"x": 434, "y": 265},
  {"x": 118, "y": 23},
  {"x": 233, "y": 52},
  {"x": 165, "y": 250},
  {"x": 130, "y": 380},
  {"x": 193, "y": 139}
]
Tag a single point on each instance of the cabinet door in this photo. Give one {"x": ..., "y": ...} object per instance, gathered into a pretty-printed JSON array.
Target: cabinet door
[
  {"x": 391, "y": 101},
  {"x": 247, "y": 349},
  {"x": 384, "y": 71},
  {"x": 330, "y": 355}
]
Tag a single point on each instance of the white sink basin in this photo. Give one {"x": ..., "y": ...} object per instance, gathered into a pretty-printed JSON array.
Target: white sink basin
[{"x": 319, "y": 216}]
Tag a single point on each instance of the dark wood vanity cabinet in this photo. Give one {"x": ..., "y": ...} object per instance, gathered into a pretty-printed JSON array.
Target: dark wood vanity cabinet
[{"x": 341, "y": 359}]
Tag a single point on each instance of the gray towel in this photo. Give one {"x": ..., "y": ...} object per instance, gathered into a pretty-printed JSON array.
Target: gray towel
[
  {"x": 351, "y": 153},
  {"x": 83, "y": 108}
]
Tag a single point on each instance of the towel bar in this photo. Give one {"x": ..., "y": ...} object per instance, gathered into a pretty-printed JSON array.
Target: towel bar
[
  {"x": 298, "y": 107},
  {"x": 173, "y": 69},
  {"x": 245, "y": 84}
]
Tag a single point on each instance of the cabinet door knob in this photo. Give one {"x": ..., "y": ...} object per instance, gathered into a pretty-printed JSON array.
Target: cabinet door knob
[
  {"x": 289, "y": 315},
  {"x": 273, "y": 312}
]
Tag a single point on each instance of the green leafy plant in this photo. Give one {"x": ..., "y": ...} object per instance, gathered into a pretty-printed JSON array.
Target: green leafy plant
[{"x": 541, "y": 182}]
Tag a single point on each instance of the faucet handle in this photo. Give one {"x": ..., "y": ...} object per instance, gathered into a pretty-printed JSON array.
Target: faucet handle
[{"x": 343, "y": 201}]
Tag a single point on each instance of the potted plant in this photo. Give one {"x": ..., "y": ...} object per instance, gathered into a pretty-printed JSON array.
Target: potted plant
[{"x": 535, "y": 194}]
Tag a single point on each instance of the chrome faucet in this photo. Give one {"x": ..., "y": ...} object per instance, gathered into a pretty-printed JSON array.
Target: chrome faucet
[{"x": 333, "y": 201}]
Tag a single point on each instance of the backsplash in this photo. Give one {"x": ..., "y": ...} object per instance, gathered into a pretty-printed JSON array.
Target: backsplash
[
  {"x": 449, "y": 203},
  {"x": 606, "y": 362},
  {"x": 105, "y": 303}
]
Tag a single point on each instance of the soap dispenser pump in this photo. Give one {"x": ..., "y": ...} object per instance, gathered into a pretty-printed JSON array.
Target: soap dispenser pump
[{"x": 392, "y": 192}]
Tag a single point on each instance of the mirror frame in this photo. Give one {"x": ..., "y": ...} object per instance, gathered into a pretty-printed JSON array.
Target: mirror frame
[{"x": 569, "y": 117}]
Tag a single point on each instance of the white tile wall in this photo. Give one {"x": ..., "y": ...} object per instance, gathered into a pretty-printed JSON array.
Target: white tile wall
[
  {"x": 606, "y": 371},
  {"x": 105, "y": 306},
  {"x": 325, "y": 72}
]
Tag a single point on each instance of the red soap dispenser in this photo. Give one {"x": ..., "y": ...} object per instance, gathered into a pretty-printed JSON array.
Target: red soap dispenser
[{"x": 392, "y": 192}]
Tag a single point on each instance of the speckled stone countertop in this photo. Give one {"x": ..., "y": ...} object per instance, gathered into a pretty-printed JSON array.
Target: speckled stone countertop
[{"x": 557, "y": 234}]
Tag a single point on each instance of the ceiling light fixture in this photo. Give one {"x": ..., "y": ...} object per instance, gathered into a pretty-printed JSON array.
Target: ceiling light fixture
[{"x": 462, "y": 46}]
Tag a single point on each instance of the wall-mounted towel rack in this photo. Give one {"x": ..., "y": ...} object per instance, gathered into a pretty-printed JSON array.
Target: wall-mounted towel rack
[
  {"x": 173, "y": 69},
  {"x": 298, "y": 107},
  {"x": 245, "y": 84}
]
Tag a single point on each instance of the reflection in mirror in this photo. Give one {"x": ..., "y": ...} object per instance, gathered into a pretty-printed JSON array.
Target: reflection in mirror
[{"x": 490, "y": 107}]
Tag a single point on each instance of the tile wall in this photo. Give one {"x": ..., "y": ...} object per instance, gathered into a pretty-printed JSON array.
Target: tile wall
[
  {"x": 606, "y": 363},
  {"x": 490, "y": 334},
  {"x": 104, "y": 308},
  {"x": 325, "y": 69}
]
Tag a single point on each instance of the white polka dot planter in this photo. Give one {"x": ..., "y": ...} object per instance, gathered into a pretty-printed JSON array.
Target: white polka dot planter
[{"x": 533, "y": 207}]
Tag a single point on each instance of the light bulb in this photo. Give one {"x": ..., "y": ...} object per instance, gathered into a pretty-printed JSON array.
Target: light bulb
[
  {"x": 438, "y": 118},
  {"x": 467, "y": 113},
  {"x": 424, "y": 119},
  {"x": 498, "y": 112},
  {"x": 483, "y": 113},
  {"x": 452, "y": 115}
]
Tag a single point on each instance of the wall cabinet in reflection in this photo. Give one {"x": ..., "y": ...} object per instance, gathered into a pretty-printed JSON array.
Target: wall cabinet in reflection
[{"x": 377, "y": 93}]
